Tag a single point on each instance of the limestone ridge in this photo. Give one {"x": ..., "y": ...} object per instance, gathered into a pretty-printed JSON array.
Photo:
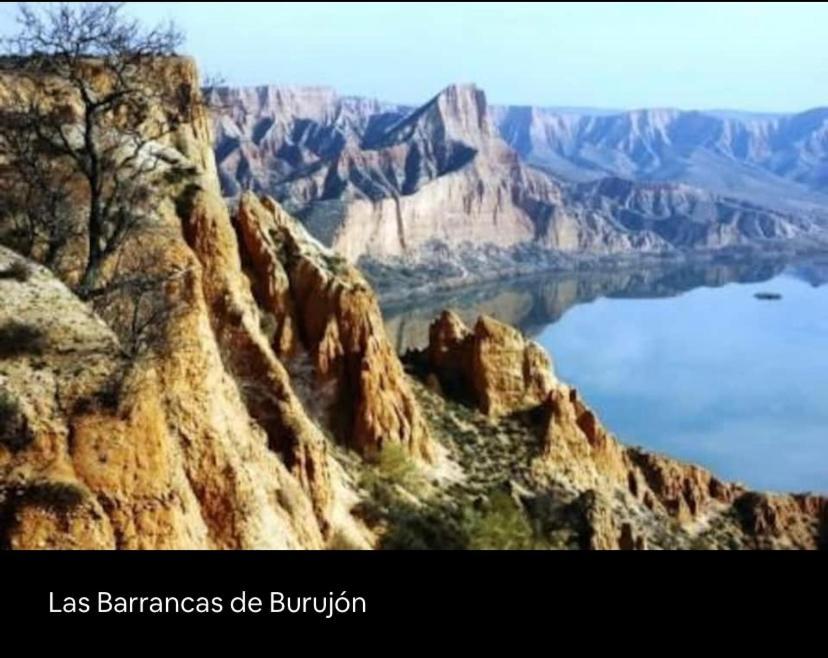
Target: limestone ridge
[
  {"x": 270, "y": 132},
  {"x": 391, "y": 183},
  {"x": 457, "y": 114}
]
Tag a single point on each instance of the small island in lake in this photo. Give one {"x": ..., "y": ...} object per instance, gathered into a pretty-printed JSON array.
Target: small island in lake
[{"x": 768, "y": 296}]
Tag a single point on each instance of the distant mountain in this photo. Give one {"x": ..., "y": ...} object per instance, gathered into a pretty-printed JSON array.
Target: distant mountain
[
  {"x": 265, "y": 134},
  {"x": 386, "y": 181},
  {"x": 780, "y": 161}
]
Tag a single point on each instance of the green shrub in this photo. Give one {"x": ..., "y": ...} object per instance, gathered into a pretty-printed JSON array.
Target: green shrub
[
  {"x": 19, "y": 270},
  {"x": 185, "y": 201},
  {"x": 17, "y": 338},
  {"x": 55, "y": 496},
  {"x": 390, "y": 467},
  {"x": 394, "y": 463},
  {"x": 431, "y": 528},
  {"x": 337, "y": 265},
  {"x": 501, "y": 524},
  {"x": 14, "y": 431},
  {"x": 107, "y": 398},
  {"x": 180, "y": 174},
  {"x": 268, "y": 324}
]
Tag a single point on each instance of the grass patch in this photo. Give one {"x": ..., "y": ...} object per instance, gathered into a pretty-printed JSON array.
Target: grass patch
[
  {"x": 14, "y": 430},
  {"x": 17, "y": 338},
  {"x": 501, "y": 524},
  {"x": 61, "y": 497},
  {"x": 19, "y": 271}
]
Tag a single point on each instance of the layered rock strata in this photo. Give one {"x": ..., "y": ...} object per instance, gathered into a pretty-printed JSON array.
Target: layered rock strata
[
  {"x": 190, "y": 437},
  {"x": 322, "y": 304},
  {"x": 397, "y": 185}
]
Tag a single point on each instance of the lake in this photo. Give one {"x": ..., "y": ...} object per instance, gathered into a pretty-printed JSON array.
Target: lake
[{"x": 682, "y": 360}]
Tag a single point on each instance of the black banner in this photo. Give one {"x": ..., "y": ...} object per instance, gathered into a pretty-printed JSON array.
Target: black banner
[{"x": 449, "y": 590}]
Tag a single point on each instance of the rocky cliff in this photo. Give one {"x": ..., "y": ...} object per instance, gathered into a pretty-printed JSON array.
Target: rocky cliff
[
  {"x": 191, "y": 437},
  {"x": 623, "y": 497},
  {"x": 322, "y": 305},
  {"x": 388, "y": 183},
  {"x": 243, "y": 394},
  {"x": 267, "y": 133}
]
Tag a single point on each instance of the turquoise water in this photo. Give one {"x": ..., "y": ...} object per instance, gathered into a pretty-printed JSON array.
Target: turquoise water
[{"x": 687, "y": 362}]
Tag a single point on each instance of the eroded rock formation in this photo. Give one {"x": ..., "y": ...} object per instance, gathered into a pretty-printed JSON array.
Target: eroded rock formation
[
  {"x": 210, "y": 409},
  {"x": 500, "y": 370},
  {"x": 624, "y": 492},
  {"x": 322, "y": 304},
  {"x": 402, "y": 185},
  {"x": 158, "y": 453},
  {"x": 194, "y": 438},
  {"x": 767, "y": 159}
]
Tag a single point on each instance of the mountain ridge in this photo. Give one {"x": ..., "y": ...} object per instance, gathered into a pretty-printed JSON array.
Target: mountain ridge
[
  {"x": 498, "y": 177},
  {"x": 596, "y": 125},
  {"x": 727, "y": 154}
]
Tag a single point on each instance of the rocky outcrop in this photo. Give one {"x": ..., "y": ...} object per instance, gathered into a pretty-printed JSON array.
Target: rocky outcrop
[
  {"x": 784, "y": 521},
  {"x": 323, "y": 305},
  {"x": 588, "y": 456},
  {"x": 158, "y": 453},
  {"x": 575, "y": 441},
  {"x": 267, "y": 131},
  {"x": 246, "y": 353},
  {"x": 600, "y": 530},
  {"x": 493, "y": 365},
  {"x": 623, "y": 492}
]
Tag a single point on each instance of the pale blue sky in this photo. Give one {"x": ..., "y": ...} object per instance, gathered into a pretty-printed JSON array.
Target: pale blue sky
[{"x": 754, "y": 56}]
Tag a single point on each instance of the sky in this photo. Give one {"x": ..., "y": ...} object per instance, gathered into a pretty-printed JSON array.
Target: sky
[{"x": 743, "y": 56}]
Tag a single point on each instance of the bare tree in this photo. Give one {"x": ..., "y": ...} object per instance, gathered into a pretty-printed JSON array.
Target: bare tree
[
  {"x": 35, "y": 192},
  {"x": 96, "y": 104},
  {"x": 139, "y": 303}
]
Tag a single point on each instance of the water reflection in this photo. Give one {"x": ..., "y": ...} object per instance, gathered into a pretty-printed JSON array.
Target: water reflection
[
  {"x": 685, "y": 361},
  {"x": 532, "y": 303}
]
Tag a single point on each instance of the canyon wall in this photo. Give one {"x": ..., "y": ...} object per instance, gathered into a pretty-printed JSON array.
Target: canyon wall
[
  {"x": 388, "y": 183},
  {"x": 197, "y": 439}
]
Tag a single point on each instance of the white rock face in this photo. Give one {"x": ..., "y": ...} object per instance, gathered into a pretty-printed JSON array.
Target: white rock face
[
  {"x": 773, "y": 160},
  {"x": 382, "y": 181}
]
